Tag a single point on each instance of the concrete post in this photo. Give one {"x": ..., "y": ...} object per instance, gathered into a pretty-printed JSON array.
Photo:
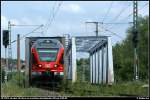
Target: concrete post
[
  {"x": 110, "y": 63},
  {"x": 74, "y": 73}
]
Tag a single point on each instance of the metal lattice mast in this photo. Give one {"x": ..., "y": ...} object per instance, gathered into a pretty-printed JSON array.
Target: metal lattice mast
[
  {"x": 135, "y": 38},
  {"x": 9, "y": 48}
]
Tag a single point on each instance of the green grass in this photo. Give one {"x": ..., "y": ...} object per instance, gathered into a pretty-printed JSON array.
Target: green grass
[
  {"x": 86, "y": 89},
  {"x": 16, "y": 88},
  {"x": 12, "y": 89}
]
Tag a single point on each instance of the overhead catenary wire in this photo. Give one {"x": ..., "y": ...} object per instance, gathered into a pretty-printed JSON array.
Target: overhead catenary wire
[
  {"x": 105, "y": 16},
  {"x": 55, "y": 13},
  {"x": 50, "y": 16},
  {"x": 120, "y": 13},
  {"x": 117, "y": 16},
  {"x": 53, "y": 16},
  {"x": 118, "y": 23},
  {"x": 144, "y": 5},
  {"x": 28, "y": 33},
  {"x": 114, "y": 33},
  {"x": 24, "y": 25},
  {"x": 138, "y": 10},
  {"x": 103, "y": 23},
  {"x": 32, "y": 31},
  {"x": 127, "y": 16},
  {"x": 132, "y": 13}
]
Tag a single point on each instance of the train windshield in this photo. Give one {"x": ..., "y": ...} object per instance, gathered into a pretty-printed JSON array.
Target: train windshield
[{"x": 47, "y": 54}]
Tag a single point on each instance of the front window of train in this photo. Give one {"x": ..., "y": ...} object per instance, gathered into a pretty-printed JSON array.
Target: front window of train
[{"x": 47, "y": 54}]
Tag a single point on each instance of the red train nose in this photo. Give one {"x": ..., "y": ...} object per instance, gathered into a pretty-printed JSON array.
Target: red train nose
[{"x": 47, "y": 66}]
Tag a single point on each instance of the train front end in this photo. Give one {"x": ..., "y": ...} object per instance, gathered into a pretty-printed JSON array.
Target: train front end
[{"x": 47, "y": 58}]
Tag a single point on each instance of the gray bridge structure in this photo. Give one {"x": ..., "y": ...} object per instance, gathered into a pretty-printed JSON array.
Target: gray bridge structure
[{"x": 101, "y": 58}]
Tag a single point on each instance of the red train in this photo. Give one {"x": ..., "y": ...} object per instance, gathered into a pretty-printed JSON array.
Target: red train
[{"x": 47, "y": 57}]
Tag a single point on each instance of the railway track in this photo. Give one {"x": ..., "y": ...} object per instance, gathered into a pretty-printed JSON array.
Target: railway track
[
  {"x": 51, "y": 85},
  {"x": 49, "y": 88}
]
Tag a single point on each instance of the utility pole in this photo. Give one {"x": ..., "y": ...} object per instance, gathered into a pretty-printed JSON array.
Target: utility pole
[
  {"x": 135, "y": 39},
  {"x": 18, "y": 52},
  {"x": 18, "y": 56},
  {"x": 96, "y": 23}
]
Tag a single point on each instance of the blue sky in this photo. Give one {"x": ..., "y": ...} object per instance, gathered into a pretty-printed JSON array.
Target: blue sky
[{"x": 70, "y": 18}]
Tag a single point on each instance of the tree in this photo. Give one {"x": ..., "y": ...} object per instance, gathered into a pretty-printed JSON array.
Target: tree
[{"x": 123, "y": 54}]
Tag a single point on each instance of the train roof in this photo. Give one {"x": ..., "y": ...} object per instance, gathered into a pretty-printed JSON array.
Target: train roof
[{"x": 47, "y": 43}]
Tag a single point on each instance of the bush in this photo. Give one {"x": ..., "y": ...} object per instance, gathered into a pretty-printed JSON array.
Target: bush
[{"x": 18, "y": 78}]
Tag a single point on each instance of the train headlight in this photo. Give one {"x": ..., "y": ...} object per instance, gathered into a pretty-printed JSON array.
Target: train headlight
[
  {"x": 40, "y": 65},
  {"x": 55, "y": 65}
]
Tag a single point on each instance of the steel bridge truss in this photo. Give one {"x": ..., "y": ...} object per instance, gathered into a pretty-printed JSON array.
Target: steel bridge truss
[{"x": 101, "y": 60}]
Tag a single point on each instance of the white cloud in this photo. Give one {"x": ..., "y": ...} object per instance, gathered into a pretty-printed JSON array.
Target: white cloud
[
  {"x": 75, "y": 8},
  {"x": 15, "y": 22},
  {"x": 26, "y": 21},
  {"x": 36, "y": 21},
  {"x": 4, "y": 22}
]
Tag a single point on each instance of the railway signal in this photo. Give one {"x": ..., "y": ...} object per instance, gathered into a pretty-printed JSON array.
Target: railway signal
[
  {"x": 5, "y": 38},
  {"x": 6, "y": 43},
  {"x": 135, "y": 38}
]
